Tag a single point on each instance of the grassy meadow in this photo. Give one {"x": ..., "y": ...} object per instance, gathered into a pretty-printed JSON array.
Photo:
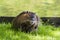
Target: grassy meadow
[
  {"x": 43, "y": 8},
  {"x": 43, "y": 33}
]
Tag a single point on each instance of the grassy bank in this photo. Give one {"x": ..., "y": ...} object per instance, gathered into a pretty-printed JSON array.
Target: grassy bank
[
  {"x": 42, "y": 8},
  {"x": 44, "y": 33}
]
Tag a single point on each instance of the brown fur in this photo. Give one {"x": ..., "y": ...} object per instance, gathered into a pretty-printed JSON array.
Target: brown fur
[{"x": 23, "y": 22}]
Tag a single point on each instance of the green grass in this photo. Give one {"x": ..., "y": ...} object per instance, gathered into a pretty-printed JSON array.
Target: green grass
[{"x": 43, "y": 33}]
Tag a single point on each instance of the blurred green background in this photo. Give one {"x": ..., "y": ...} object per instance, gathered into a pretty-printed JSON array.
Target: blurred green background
[{"x": 43, "y": 8}]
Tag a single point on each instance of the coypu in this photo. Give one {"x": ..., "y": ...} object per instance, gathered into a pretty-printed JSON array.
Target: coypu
[{"x": 26, "y": 21}]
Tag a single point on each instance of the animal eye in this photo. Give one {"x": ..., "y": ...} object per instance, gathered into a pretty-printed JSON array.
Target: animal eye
[{"x": 35, "y": 27}]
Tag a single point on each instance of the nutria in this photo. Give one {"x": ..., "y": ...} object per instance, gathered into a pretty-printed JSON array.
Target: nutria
[{"x": 26, "y": 21}]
